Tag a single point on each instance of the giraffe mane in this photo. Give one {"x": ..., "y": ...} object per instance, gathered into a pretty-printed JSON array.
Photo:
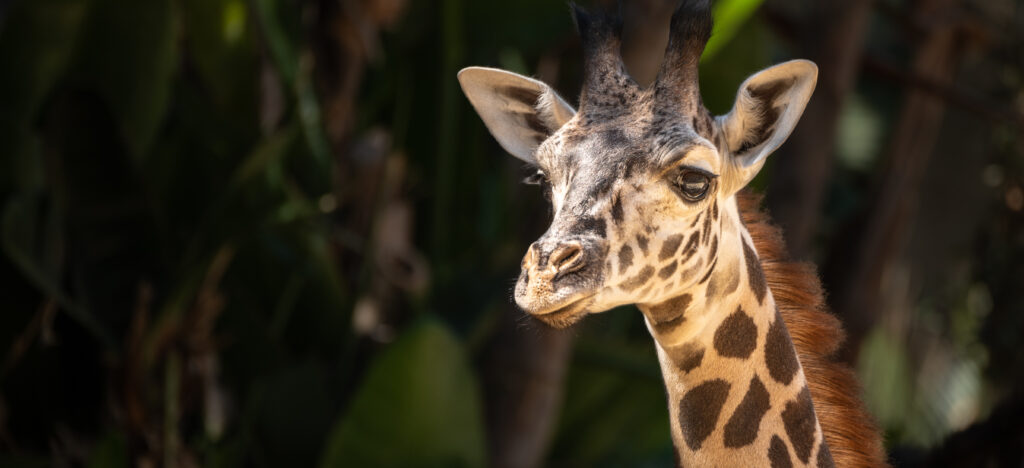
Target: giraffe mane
[{"x": 851, "y": 433}]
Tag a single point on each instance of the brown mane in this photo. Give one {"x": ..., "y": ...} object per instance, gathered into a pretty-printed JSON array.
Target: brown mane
[{"x": 851, "y": 433}]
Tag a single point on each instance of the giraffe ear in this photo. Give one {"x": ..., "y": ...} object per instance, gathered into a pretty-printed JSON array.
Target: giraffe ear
[
  {"x": 520, "y": 112},
  {"x": 767, "y": 108}
]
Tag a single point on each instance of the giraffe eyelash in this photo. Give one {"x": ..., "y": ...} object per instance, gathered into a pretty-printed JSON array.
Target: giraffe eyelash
[
  {"x": 685, "y": 190},
  {"x": 537, "y": 178},
  {"x": 540, "y": 178}
]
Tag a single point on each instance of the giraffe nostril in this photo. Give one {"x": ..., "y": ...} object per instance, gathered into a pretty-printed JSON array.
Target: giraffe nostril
[
  {"x": 567, "y": 257},
  {"x": 530, "y": 258}
]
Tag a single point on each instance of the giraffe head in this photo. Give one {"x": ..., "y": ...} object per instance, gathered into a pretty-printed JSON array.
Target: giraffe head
[{"x": 638, "y": 177}]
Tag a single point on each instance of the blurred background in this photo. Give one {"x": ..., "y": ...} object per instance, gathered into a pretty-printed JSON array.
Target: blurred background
[{"x": 274, "y": 233}]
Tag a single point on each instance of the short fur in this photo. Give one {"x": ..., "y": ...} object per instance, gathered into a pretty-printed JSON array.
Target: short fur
[{"x": 851, "y": 433}]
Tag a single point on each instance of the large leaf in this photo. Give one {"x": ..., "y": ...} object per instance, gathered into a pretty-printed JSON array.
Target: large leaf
[
  {"x": 223, "y": 51},
  {"x": 419, "y": 406},
  {"x": 615, "y": 412},
  {"x": 129, "y": 54},
  {"x": 730, "y": 15},
  {"x": 36, "y": 41},
  {"x": 885, "y": 372}
]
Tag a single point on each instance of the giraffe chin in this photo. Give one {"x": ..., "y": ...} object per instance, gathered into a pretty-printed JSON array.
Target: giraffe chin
[{"x": 567, "y": 315}]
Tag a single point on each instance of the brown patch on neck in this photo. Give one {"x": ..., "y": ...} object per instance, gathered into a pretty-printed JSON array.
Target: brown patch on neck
[
  {"x": 699, "y": 410},
  {"x": 851, "y": 434},
  {"x": 666, "y": 316},
  {"x": 778, "y": 454},
  {"x": 745, "y": 423},
  {"x": 686, "y": 357},
  {"x": 736, "y": 337},
  {"x": 799, "y": 421}
]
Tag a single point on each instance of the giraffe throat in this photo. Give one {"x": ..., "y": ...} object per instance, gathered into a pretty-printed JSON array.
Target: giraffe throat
[{"x": 737, "y": 393}]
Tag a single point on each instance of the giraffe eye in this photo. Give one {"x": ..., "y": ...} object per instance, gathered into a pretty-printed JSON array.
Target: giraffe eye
[
  {"x": 540, "y": 178},
  {"x": 693, "y": 185},
  {"x": 537, "y": 178}
]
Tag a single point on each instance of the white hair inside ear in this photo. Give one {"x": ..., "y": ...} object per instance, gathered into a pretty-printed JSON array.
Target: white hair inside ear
[{"x": 768, "y": 106}]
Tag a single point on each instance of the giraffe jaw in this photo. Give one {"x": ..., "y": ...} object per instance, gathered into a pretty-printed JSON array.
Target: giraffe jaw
[{"x": 566, "y": 315}]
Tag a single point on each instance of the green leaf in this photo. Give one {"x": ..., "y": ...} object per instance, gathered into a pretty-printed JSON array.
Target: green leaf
[
  {"x": 36, "y": 43},
  {"x": 110, "y": 452},
  {"x": 223, "y": 50},
  {"x": 615, "y": 409},
  {"x": 129, "y": 54},
  {"x": 730, "y": 15},
  {"x": 885, "y": 372},
  {"x": 419, "y": 406},
  {"x": 29, "y": 236}
]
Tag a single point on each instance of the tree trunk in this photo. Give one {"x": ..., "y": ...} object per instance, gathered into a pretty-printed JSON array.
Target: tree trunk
[{"x": 866, "y": 270}]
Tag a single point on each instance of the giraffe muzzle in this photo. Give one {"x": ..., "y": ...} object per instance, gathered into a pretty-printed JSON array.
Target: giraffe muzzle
[{"x": 557, "y": 273}]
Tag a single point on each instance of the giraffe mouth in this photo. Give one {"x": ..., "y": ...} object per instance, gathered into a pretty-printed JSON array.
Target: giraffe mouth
[{"x": 567, "y": 314}]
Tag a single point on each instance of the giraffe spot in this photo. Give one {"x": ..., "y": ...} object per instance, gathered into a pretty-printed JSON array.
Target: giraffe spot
[
  {"x": 696, "y": 219},
  {"x": 691, "y": 246},
  {"x": 643, "y": 293},
  {"x": 625, "y": 258},
  {"x": 690, "y": 361},
  {"x": 706, "y": 229},
  {"x": 714, "y": 244},
  {"x": 714, "y": 210},
  {"x": 741, "y": 430},
  {"x": 699, "y": 410},
  {"x": 641, "y": 242},
  {"x": 640, "y": 279},
  {"x": 825, "y": 457},
  {"x": 688, "y": 273},
  {"x": 669, "y": 314},
  {"x": 670, "y": 246},
  {"x": 617, "y": 214},
  {"x": 667, "y": 271},
  {"x": 779, "y": 355},
  {"x": 778, "y": 454},
  {"x": 711, "y": 269},
  {"x": 798, "y": 419},
  {"x": 595, "y": 225},
  {"x": 723, "y": 282},
  {"x": 754, "y": 273},
  {"x": 669, "y": 325},
  {"x": 736, "y": 336}
]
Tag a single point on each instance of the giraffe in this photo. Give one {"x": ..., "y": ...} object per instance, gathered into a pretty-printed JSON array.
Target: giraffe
[{"x": 645, "y": 186}]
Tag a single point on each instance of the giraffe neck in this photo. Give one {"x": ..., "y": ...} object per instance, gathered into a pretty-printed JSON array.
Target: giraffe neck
[{"x": 736, "y": 390}]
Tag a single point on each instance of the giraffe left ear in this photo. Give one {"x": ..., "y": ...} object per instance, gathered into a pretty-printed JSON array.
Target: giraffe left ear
[
  {"x": 520, "y": 112},
  {"x": 767, "y": 108}
]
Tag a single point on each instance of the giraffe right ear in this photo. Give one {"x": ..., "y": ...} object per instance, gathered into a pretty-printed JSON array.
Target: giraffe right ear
[
  {"x": 520, "y": 112},
  {"x": 767, "y": 108}
]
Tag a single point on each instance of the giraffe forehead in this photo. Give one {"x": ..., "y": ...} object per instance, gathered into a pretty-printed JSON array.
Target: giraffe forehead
[{"x": 638, "y": 136}]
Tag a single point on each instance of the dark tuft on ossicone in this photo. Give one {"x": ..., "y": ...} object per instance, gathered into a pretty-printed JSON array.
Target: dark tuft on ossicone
[
  {"x": 597, "y": 30},
  {"x": 690, "y": 28},
  {"x": 606, "y": 84},
  {"x": 689, "y": 31}
]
